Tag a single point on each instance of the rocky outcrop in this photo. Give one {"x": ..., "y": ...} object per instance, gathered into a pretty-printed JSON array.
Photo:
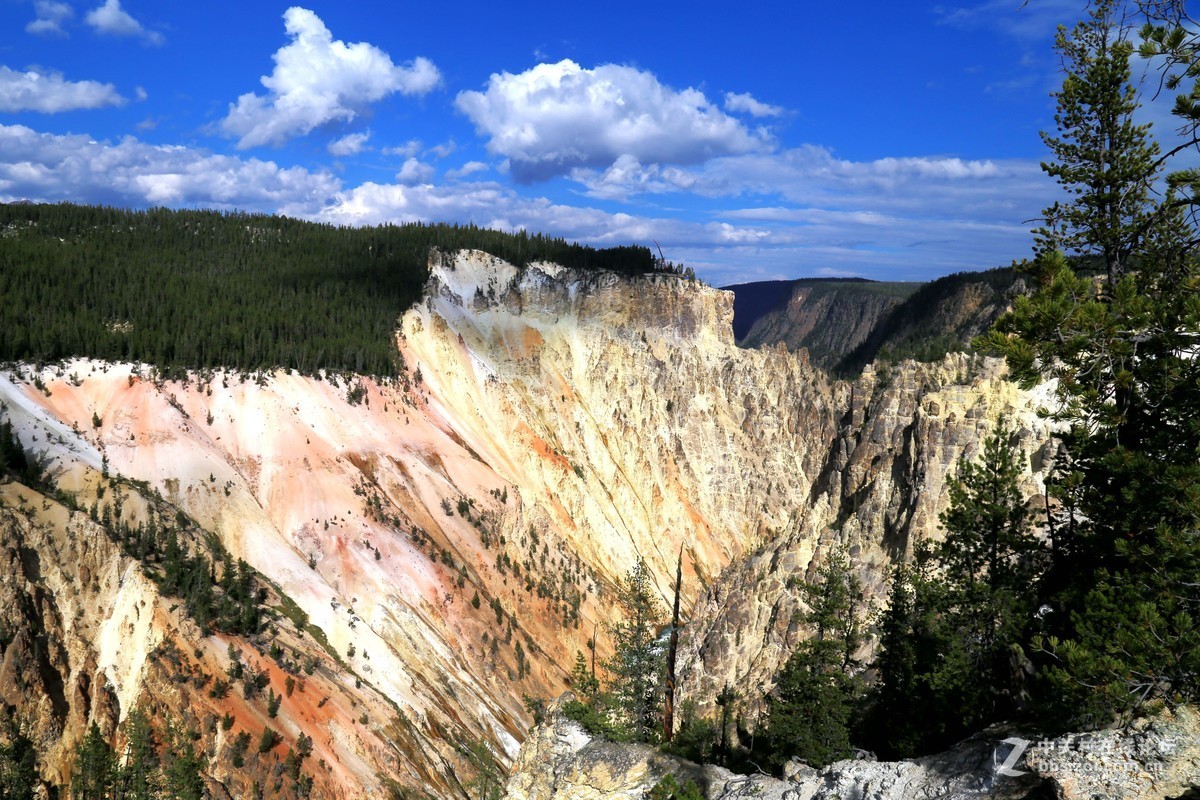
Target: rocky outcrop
[
  {"x": 1157, "y": 758},
  {"x": 560, "y": 761}
]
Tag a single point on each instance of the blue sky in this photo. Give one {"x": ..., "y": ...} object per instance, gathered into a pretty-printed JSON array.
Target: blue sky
[{"x": 896, "y": 141}]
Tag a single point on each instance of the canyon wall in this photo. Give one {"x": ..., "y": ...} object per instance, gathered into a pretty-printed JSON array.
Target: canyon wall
[{"x": 455, "y": 536}]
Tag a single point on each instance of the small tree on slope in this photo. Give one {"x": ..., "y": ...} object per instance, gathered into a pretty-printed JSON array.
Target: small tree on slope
[{"x": 809, "y": 714}]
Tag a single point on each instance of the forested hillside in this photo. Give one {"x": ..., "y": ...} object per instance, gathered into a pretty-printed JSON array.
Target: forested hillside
[
  {"x": 829, "y": 317},
  {"x": 848, "y": 323},
  {"x": 202, "y": 289},
  {"x": 938, "y": 318}
]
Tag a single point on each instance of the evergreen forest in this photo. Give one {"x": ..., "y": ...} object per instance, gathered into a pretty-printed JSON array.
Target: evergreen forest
[{"x": 201, "y": 290}]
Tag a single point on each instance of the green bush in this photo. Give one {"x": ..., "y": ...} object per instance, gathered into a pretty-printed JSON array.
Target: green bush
[{"x": 669, "y": 789}]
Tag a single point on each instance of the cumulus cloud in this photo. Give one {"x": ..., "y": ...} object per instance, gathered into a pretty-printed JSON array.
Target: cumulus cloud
[
  {"x": 49, "y": 18},
  {"x": 318, "y": 80},
  {"x": 746, "y": 104},
  {"x": 349, "y": 145},
  {"x": 50, "y": 167},
  {"x": 627, "y": 177},
  {"x": 50, "y": 93},
  {"x": 444, "y": 149},
  {"x": 557, "y": 117},
  {"x": 113, "y": 20},
  {"x": 414, "y": 172}
]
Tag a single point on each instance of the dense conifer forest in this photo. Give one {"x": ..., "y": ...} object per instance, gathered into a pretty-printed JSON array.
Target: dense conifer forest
[{"x": 203, "y": 289}]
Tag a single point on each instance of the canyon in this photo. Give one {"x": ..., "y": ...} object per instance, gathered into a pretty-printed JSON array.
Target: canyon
[{"x": 438, "y": 547}]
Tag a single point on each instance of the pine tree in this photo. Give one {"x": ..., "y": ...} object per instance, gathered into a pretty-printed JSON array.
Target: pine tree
[
  {"x": 182, "y": 779},
  {"x": 590, "y": 707},
  {"x": 139, "y": 776},
  {"x": 1124, "y": 588},
  {"x": 989, "y": 563},
  {"x": 898, "y": 724},
  {"x": 810, "y": 712},
  {"x": 672, "y": 654},
  {"x": 637, "y": 664},
  {"x": 1104, "y": 160},
  {"x": 583, "y": 681},
  {"x": 18, "y": 761},
  {"x": 94, "y": 772},
  {"x": 953, "y": 638}
]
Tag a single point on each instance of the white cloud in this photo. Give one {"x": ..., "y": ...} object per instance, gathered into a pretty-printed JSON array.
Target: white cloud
[
  {"x": 469, "y": 168},
  {"x": 349, "y": 145},
  {"x": 49, "y": 167},
  {"x": 113, "y": 20},
  {"x": 627, "y": 177},
  {"x": 910, "y": 218},
  {"x": 444, "y": 149},
  {"x": 812, "y": 174},
  {"x": 50, "y": 93},
  {"x": 318, "y": 80},
  {"x": 746, "y": 104},
  {"x": 50, "y": 16},
  {"x": 409, "y": 148},
  {"x": 557, "y": 117},
  {"x": 414, "y": 172},
  {"x": 491, "y": 205}
]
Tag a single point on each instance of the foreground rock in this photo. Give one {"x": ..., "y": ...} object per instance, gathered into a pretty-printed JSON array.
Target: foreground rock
[{"x": 1151, "y": 759}]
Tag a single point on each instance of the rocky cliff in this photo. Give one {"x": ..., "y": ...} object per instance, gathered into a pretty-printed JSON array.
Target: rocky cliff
[{"x": 454, "y": 537}]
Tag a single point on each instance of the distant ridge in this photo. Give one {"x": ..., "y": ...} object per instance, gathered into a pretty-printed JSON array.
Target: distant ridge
[
  {"x": 848, "y": 323},
  {"x": 752, "y": 301}
]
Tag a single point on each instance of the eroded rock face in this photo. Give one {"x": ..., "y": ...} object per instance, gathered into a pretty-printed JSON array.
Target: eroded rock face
[
  {"x": 87, "y": 637},
  {"x": 1157, "y": 758},
  {"x": 66, "y": 597},
  {"x": 882, "y": 488},
  {"x": 456, "y": 535}
]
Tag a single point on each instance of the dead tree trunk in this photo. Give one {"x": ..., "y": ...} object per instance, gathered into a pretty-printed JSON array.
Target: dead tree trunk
[{"x": 672, "y": 649}]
